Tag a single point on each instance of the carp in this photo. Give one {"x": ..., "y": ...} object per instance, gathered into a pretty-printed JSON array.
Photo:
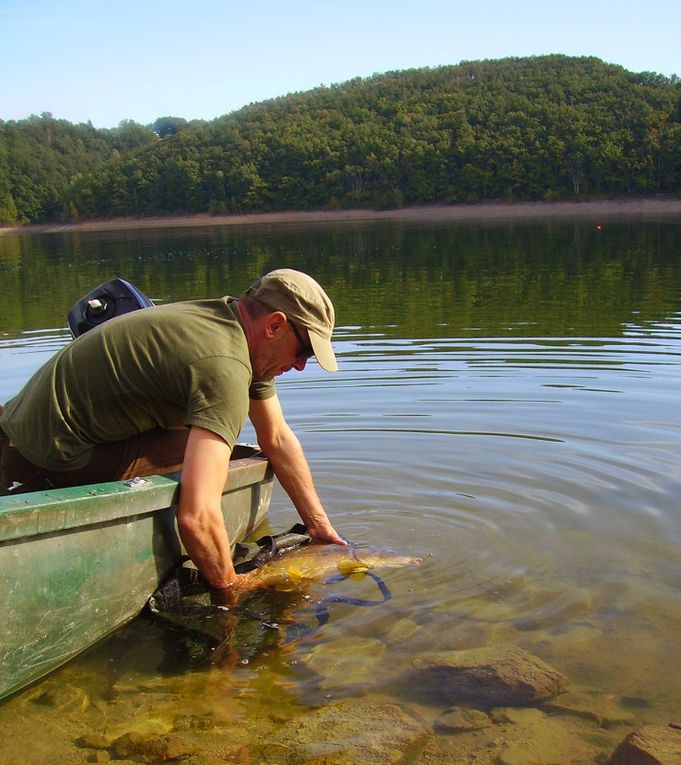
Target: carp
[{"x": 288, "y": 571}]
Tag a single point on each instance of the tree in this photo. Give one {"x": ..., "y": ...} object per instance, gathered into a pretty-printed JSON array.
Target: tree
[
  {"x": 167, "y": 126},
  {"x": 545, "y": 127}
]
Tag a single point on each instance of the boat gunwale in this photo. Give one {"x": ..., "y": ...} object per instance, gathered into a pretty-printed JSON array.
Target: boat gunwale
[{"x": 26, "y": 516}]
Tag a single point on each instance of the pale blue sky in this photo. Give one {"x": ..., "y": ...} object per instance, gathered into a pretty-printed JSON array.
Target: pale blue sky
[{"x": 141, "y": 59}]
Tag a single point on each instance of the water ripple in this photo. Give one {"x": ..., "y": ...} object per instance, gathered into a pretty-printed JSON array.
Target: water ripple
[{"x": 523, "y": 504}]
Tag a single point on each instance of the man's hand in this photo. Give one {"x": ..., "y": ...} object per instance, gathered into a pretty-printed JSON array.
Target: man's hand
[
  {"x": 326, "y": 535},
  {"x": 229, "y": 595}
]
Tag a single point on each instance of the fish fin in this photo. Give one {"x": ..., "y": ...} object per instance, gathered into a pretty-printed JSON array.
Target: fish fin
[
  {"x": 348, "y": 566},
  {"x": 295, "y": 575}
]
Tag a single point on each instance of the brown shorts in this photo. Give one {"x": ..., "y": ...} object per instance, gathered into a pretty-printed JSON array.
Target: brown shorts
[{"x": 156, "y": 451}]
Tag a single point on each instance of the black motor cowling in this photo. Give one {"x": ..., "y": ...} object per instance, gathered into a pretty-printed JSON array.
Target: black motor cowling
[{"x": 110, "y": 299}]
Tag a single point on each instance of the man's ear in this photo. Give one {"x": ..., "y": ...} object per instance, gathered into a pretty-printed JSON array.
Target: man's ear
[{"x": 274, "y": 323}]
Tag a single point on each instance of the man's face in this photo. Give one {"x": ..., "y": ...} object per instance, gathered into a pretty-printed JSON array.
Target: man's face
[{"x": 283, "y": 349}]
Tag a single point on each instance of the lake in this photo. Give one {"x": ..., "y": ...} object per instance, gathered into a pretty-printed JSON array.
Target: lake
[{"x": 507, "y": 409}]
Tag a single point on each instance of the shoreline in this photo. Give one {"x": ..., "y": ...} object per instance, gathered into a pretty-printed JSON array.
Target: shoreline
[{"x": 482, "y": 211}]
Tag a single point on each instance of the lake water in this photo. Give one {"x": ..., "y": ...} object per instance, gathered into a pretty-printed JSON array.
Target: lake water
[{"x": 507, "y": 409}]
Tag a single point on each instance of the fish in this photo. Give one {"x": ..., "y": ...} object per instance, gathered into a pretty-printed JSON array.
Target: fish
[
  {"x": 256, "y": 616},
  {"x": 290, "y": 570}
]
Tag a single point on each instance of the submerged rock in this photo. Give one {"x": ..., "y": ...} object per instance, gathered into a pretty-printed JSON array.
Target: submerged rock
[
  {"x": 350, "y": 661},
  {"x": 403, "y": 630},
  {"x": 141, "y": 726},
  {"x": 65, "y": 698},
  {"x": 489, "y": 677},
  {"x": 99, "y": 756},
  {"x": 347, "y": 733},
  {"x": 517, "y": 736},
  {"x": 151, "y": 748},
  {"x": 460, "y": 720},
  {"x": 604, "y": 709},
  {"x": 526, "y": 716},
  {"x": 649, "y": 745}
]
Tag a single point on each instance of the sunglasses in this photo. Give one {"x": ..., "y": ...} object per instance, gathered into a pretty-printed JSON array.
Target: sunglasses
[{"x": 306, "y": 350}]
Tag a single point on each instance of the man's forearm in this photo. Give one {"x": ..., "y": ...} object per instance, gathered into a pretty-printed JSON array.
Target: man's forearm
[
  {"x": 293, "y": 473},
  {"x": 207, "y": 544},
  {"x": 199, "y": 510},
  {"x": 286, "y": 456}
]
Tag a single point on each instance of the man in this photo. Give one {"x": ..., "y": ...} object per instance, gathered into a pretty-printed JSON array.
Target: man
[{"x": 169, "y": 388}]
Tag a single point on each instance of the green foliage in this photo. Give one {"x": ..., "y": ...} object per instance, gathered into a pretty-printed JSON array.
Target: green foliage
[
  {"x": 165, "y": 126},
  {"x": 49, "y": 168},
  {"x": 548, "y": 127}
]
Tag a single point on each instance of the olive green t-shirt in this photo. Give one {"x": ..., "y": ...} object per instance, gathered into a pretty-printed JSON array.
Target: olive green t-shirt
[{"x": 169, "y": 366}]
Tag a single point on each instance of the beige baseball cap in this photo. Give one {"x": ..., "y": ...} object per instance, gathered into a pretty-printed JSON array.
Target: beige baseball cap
[{"x": 305, "y": 303}]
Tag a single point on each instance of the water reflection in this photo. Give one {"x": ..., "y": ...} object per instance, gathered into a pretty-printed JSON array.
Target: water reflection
[
  {"x": 507, "y": 409},
  {"x": 440, "y": 280}
]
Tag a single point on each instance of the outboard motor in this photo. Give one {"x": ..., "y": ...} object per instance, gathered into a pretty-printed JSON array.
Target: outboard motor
[{"x": 110, "y": 299}]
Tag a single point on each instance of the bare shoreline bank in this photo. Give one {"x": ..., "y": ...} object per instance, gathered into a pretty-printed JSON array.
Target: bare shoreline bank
[{"x": 478, "y": 212}]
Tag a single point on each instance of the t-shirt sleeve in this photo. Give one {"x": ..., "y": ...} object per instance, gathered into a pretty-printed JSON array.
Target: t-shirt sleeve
[
  {"x": 261, "y": 390},
  {"x": 218, "y": 394}
]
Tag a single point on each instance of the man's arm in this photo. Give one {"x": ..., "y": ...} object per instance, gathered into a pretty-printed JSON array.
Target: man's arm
[
  {"x": 199, "y": 511},
  {"x": 287, "y": 458}
]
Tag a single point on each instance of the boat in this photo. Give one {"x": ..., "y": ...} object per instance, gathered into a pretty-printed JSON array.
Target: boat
[{"x": 78, "y": 563}]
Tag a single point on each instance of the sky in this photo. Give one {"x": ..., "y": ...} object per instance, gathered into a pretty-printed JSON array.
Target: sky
[{"x": 105, "y": 62}]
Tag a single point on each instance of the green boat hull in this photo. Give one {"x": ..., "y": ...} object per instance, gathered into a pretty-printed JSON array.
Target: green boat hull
[{"x": 77, "y": 563}]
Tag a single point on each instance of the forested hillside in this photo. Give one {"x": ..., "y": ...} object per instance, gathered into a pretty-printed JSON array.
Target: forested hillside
[{"x": 549, "y": 127}]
